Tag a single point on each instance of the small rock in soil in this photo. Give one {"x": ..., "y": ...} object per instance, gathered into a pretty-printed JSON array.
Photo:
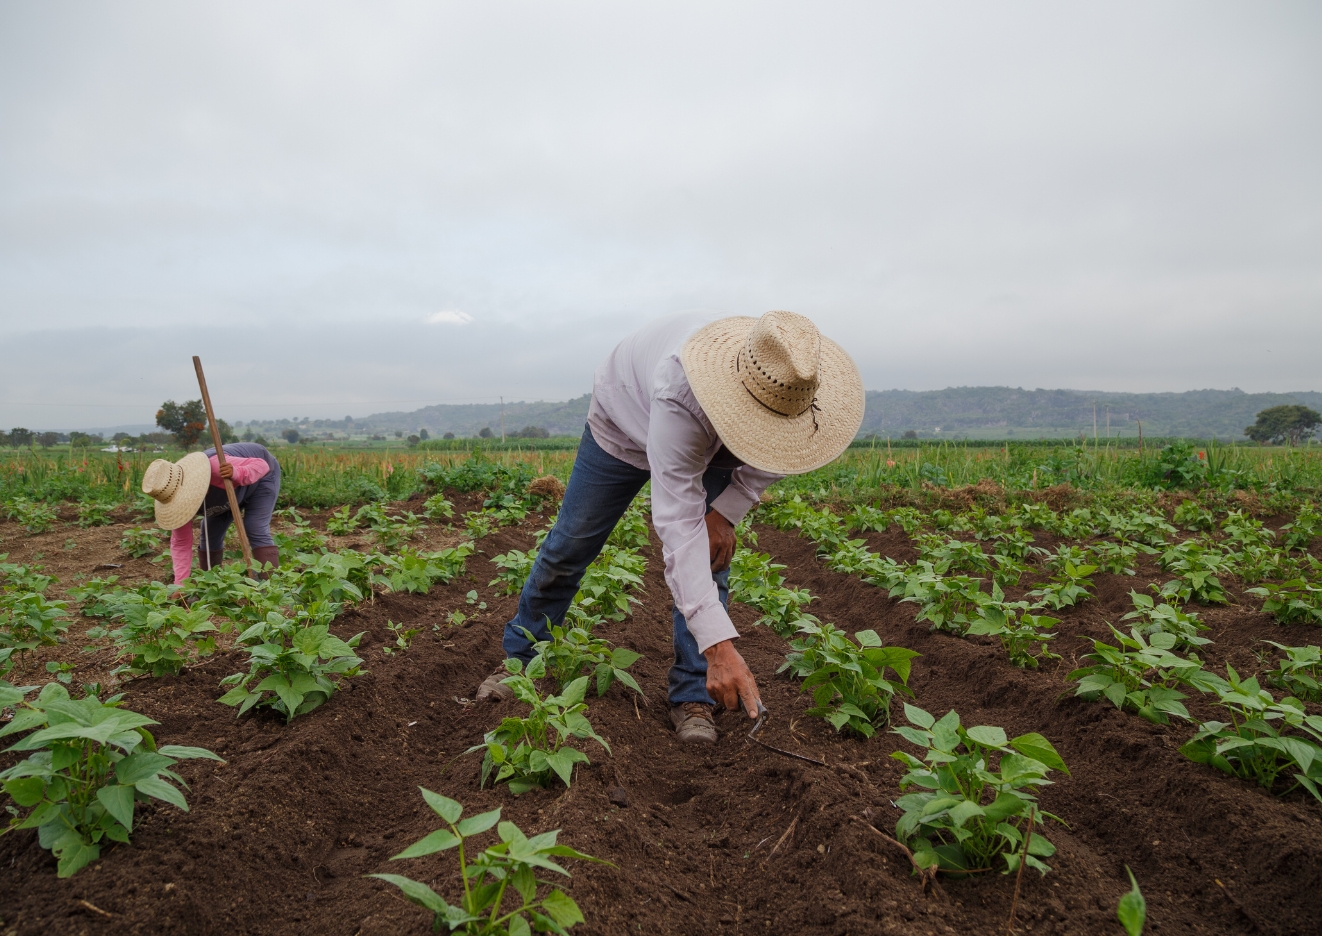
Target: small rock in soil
[{"x": 619, "y": 797}]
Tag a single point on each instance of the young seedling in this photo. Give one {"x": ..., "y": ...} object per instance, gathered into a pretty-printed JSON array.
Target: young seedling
[
  {"x": 1196, "y": 567},
  {"x": 570, "y": 650},
  {"x": 94, "y": 514},
  {"x": 417, "y": 572},
  {"x": 1249, "y": 747},
  {"x": 527, "y": 752},
  {"x": 1140, "y": 675},
  {"x": 1019, "y": 631},
  {"x": 341, "y": 522},
  {"x": 437, "y": 507},
  {"x": 1299, "y": 673},
  {"x": 847, "y": 679},
  {"x": 514, "y": 567},
  {"x": 1163, "y": 618},
  {"x": 35, "y": 516},
  {"x": 140, "y": 541},
  {"x": 970, "y": 812},
  {"x": 1067, "y": 587},
  {"x": 92, "y": 762},
  {"x": 509, "y": 867},
  {"x": 1297, "y": 601},
  {"x": 299, "y": 668},
  {"x": 403, "y": 637},
  {"x": 1132, "y": 911}
]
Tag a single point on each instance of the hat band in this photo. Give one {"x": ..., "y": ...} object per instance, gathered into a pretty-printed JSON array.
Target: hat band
[
  {"x": 789, "y": 400},
  {"x": 171, "y": 486}
]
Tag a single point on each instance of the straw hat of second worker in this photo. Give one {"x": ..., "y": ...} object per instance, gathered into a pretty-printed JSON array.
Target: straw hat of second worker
[
  {"x": 177, "y": 487},
  {"x": 782, "y": 396}
]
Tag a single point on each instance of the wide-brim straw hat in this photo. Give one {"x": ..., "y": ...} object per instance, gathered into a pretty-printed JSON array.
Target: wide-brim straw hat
[
  {"x": 178, "y": 488},
  {"x": 782, "y": 397}
]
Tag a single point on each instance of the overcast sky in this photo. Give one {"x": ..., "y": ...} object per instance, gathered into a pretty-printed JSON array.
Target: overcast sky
[{"x": 348, "y": 208}]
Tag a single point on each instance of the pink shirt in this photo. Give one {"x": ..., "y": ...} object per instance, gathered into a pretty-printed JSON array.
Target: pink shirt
[{"x": 246, "y": 471}]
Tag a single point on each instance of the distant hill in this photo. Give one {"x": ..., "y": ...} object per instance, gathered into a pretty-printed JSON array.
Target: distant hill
[
  {"x": 971, "y": 412},
  {"x": 468, "y": 419},
  {"x": 1001, "y": 412}
]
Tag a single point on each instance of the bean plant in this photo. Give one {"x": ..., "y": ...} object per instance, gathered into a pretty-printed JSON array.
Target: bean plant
[
  {"x": 35, "y": 516},
  {"x": 847, "y": 678},
  {"x": 1299, "y": 673},
  {"x": 969, "y": 812},
  {"x": 1139, "y": 675},
  {"x": 417, "y": 572},
  {"x": 140, "y": 541},
  {"x": 509, "y": 867},
  {"x": 570, "y": 650},
  {"x": 527, "y": 752},
  {"x": 297, "y": 667},
  {"x": 94, "y": 514},
  {"x": 92, "y": 762},
  {"x": 1164, "y": 618},
  {"x": 1248, "y": 746}
]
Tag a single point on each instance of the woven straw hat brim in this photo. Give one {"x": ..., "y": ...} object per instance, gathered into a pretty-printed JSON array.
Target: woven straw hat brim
[
  {"x": 757, "y": 436},
  {"x": 182, "y": 507}
]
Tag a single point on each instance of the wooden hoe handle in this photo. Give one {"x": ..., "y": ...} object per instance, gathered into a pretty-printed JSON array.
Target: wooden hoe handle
[{"x": 220, "y": 458}]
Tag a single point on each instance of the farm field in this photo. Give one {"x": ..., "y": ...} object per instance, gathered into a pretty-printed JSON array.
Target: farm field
[{"x": 1001, "y": 569}]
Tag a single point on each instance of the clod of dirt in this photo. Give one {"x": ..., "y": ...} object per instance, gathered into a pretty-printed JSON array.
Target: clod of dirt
[
  {"x": 619, "y": 797},
  {"x": 548, "y": 486}
]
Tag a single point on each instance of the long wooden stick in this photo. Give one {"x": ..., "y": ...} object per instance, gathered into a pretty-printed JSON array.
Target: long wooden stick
[{"x": 220, "y": 458}]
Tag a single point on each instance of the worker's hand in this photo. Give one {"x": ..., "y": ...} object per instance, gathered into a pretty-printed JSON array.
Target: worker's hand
[
  {"x": 227, "y": 470},
  {"x": 729, "y": 680},
  {"x": 720, "y": 537}
]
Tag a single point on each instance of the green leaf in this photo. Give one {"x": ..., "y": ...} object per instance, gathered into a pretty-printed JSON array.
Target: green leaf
[
  {"x": 518, "y": 926},
  {"x": 623, "y": 658},
  {"x": 443, "y": 806},
  {"x": 561, "y": 908},
  {"x": 987, "y": 735},
  {"x": 118, "y": 801},
  {"x": 1133, "y": 909},
  {"x": 965, "y": 811},
  {"x": 1040, "y": 749},
  {"x": 140, "y": 765},
  {"x": 474, "y": 825},
  {"x": 918, "y": 717},
  {"x": 437, "y": 841},
  {"x": 75, "y": 857},
  {"x": 868, "y": 638},
  {"x": 563, "y": 761},
  {"x": 419, "y": 893},
  {"x": 26, "y": 791},
  {"x": 180, "y": 752},
  {"x": 161, "y": 790}
]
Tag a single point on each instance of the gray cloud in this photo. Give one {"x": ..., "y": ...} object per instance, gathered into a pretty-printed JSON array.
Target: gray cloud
[{"x": 1122, "y": 197}]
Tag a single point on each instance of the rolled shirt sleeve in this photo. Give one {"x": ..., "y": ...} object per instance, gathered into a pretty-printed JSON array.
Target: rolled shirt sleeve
[
  {"x": 677, "y": 442},
  {"x": 745, "y": 491},
  {"x": 246, "y": 470}
]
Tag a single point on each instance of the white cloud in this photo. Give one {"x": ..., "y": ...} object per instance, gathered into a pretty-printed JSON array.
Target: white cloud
[{"x": 448, "y": 317}]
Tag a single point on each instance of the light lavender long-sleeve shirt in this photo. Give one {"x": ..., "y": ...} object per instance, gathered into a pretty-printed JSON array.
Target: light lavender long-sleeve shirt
[{"x": 645, "y": 414}]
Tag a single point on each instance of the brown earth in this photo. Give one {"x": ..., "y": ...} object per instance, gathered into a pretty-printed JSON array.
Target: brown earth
[{"x": 723, "y": 839}]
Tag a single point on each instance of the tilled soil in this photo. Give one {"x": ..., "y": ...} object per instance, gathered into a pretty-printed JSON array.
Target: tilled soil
[{"x": 725, "y": 839}]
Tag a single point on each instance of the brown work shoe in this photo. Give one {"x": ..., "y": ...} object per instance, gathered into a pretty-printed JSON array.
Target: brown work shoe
[
  {"x": 493, "y": 689},
  {"x": 693, "y": 721}
]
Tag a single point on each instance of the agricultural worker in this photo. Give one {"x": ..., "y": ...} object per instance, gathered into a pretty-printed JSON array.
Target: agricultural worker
[
  {"x": 712, "y": 411},
  {"x": 193, "y": 487}
]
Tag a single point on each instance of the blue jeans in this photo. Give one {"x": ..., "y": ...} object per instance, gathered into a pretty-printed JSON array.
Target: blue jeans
[{"x": 601, "y": 487}]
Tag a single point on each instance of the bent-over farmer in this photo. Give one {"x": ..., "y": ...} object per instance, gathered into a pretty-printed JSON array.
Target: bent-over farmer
[
  {"x": 193, "y": 487},
  {"x": 712, "y": 411}
]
